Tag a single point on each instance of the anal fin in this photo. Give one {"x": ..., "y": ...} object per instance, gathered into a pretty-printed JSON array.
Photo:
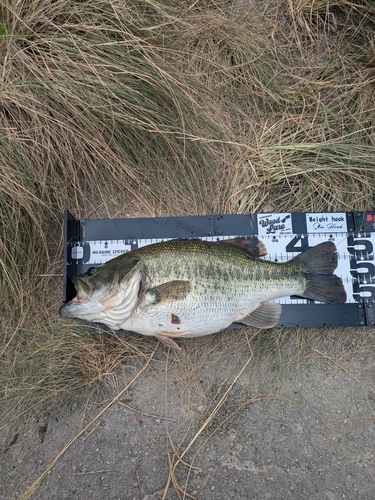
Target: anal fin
[{"x": 266, "y": 315}]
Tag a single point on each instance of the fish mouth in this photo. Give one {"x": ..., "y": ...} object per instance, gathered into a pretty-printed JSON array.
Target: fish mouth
[
  {"x": 63, "y": 311},
  {"x": 68, "y": 310}
]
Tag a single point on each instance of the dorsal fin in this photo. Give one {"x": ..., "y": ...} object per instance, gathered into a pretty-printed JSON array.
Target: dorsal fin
[{"x": 249, "y": 244}]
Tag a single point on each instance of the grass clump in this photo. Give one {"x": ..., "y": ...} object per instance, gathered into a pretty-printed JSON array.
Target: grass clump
[
  {"x": 163, "y": 108},
  {"x": 60, "y": 366}
]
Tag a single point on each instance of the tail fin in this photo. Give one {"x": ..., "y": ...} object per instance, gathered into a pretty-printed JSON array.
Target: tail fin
[{"x": 322, "y": 285}]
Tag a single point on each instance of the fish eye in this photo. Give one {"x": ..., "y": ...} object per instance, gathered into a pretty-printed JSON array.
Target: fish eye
[{"x": 91, "y": 271}]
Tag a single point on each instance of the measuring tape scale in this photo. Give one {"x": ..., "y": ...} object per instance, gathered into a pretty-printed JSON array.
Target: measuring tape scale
[{"x": 356, "y": 265}]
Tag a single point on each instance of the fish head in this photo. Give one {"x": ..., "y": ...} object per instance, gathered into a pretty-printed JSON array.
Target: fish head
[{"x": 107, "y": 294}]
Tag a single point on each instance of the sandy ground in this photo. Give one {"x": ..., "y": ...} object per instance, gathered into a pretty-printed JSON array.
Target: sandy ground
[{"x": 298, "y": 422}]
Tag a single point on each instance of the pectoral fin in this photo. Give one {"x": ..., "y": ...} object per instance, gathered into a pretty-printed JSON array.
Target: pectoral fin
[
  {"x": 170, "y": 291},
  {"x": 266, "y": 315}
]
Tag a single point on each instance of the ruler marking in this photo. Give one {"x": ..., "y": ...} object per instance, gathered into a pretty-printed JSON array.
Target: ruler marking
[
  {"x": 356, "y": 269},
  {"x": 284, "y": 235}
]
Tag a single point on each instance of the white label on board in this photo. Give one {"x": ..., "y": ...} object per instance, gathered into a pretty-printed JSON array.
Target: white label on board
[
  {"x": 326, "y": 222},
  {"x": 77, "y": 252},
  {"x": 102, "y": 251}
]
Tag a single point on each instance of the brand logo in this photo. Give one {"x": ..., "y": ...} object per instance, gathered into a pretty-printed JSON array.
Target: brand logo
[{"x": 275, "y": 224}]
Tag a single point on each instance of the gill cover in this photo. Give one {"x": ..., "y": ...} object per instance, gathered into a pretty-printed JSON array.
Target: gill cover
[{"x": 109, "y": 295}]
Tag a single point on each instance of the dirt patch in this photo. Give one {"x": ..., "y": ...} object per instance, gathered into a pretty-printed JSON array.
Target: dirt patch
[{"x": 297, "y": 422}]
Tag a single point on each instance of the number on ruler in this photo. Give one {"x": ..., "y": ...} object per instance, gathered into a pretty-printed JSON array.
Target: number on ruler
[
  {"x": 361, "y": 250},
  {"x": 292, "y": 245}
]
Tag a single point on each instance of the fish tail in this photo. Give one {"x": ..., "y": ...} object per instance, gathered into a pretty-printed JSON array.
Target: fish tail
[{"x": 319, "y": 263}]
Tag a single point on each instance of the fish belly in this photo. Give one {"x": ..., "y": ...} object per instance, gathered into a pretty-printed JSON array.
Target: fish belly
[{"x": 208, "y": 313}]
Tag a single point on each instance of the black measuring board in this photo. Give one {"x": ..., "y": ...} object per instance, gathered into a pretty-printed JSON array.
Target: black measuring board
[{"x": 95, "y": 241}]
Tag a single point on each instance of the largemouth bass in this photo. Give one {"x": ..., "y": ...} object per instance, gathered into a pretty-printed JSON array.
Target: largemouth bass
[{"x": 188, "y": 288}]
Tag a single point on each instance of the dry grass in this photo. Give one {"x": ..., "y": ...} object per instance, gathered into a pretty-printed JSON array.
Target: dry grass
[
  {"x": 64, "y": 362},
  {"x": 162, "y": 108}
]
